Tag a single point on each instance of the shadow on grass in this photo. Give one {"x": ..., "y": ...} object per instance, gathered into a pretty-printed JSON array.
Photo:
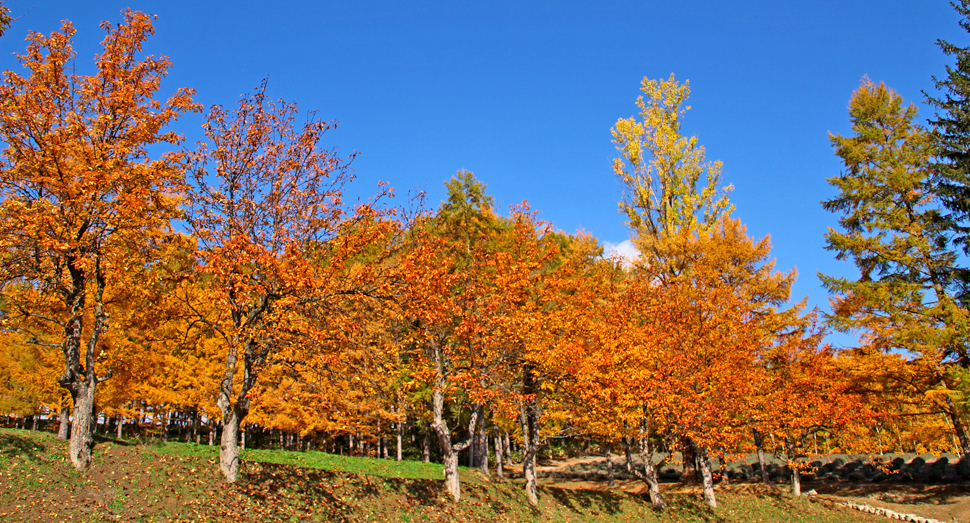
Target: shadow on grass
[
  {"x": 98, "y": 440},
  {"x": 13, "y": 445},
  {"x": 586, "y": 500}
]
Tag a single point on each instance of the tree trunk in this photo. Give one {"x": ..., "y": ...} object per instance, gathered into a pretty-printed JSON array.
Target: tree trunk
[
  {"x": 400, "y": 440},
  {"x": 229, "y": 449},
  {"x": 958, "y": 427},
  {"x": 707, "y": 475},
  {"x": 426, "y": 447},
  {"x": 234, "y": 412},
  {"x": 508, "y": 445},
  {"x": 690, "y": 463},
  {"x": 80, "y": 381},
  {"x": 649, "y": 475},
  {"x": 452, "y": 481},
  {"x": 483, "y": 447},
  {"x": 628, "y": 453},
  {"x": 64, "y": 423},
  {"x": 449, "y": 451},
  {"x": 531, "y": 479},
  {"x": 723, "y": 467},
  {"x": 759, "y": 441},
  {"x": 796, "y": 481},
  {"x": 121, "y": 425},
  {"x": 608, "y": 448},
  {"x": 529, "y": 421},
  {"x": 499, "y": 458},
  {"x": 82, "y": 427}
]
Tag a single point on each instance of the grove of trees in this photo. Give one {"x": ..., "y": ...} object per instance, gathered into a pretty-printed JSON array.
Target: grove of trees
[{"x": 224, "y": 292}]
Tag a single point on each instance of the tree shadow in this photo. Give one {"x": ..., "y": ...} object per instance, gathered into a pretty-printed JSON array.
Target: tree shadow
[
  {"x": 587, "y": 500},
  {"x": 12, "y": 445}
]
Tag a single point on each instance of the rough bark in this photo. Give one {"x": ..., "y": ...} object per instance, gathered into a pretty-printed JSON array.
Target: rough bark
[
  {"x": 229, "y": 448},
  {"x": 628, "y": 454},
  {"x": 449, "y": 450},
  {"x": 82, "y": 429},
  {"x": 426, "y": 447},
  {"x": 529, "y": 421},
  {"x": 707, "y": 475},
  {"x": 796, "y": 482},
  {"x": 499, "y": 455},
  {"x": 690, "y": 473},
  {"x": 121, "y": 426},
  {"x": 760, "y": 444},
  {"x": 611, "y": 477},
  {"x": 483, "y": 448},
  {"x": 64, "y": 423},
  {"x": 723, "y": 467},
  {"x": 81, "y": 381},
  {"x": 649, "y": 474},
  {"x": 233, "y": 410},
  {"x": 958, "y": 426}
]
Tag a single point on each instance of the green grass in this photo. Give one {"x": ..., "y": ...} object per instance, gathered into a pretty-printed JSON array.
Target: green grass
[{"x": 181, "y": 482}]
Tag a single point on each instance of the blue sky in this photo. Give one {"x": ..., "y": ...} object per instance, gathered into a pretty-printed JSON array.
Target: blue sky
[{"x": 524, "y": 93}]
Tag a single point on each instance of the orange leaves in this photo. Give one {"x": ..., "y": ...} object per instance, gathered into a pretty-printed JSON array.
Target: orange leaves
[{"x": 77, "y": 180}]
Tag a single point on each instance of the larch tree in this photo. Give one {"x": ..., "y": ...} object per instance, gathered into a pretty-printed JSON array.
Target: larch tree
[
  {"x": 669, "y": 185},
  {"x": 908, "y": 293},
  {"x": 275, "y": 240},
  {"x": 672, "y": 191},
  {"x": 446, "y": 271},
  {"x": 80, "y": 197}
]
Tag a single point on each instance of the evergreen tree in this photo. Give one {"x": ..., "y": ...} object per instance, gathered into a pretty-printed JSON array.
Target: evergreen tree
[
  {"x": 951, "y": 180},
  {"x": 895, "y": 231}
]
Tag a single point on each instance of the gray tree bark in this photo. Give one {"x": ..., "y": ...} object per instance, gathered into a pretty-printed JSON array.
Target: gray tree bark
[
  {"x": 64, "y": 423},
  {"x": 529, "y": 421},
  {"x": 649, "y": 475},
  {"x": 449, "y": 450},
  {"x": 611, "y": 477},
  {"x": 499, "y": 458},
  {"x": 707, "y": 475},
  {"x": 81, "y": 381}
]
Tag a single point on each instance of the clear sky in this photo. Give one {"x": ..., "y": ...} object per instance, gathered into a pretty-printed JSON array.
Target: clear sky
[{"x": 524, "y": 93}]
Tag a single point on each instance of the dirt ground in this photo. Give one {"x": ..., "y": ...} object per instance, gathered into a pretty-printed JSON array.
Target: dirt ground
[{"x": 942, "y": 502}]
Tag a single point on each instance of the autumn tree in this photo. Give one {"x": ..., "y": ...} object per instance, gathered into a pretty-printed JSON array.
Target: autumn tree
[
  {"x": 81, "y": 197},
  {"x": 445, "y": 270},
  {"x": 275, "y": 239},
  {"x": 669, "y": 185},
  {"x": 678, "y": 214},
  {"x": 908, "y": 293},
  {"x": 536, "y": 273}
]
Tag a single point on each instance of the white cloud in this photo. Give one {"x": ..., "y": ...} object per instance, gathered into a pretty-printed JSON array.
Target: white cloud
[{"x": 623, "y": 250}]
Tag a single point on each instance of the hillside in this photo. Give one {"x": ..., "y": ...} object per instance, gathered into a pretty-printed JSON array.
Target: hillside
[{"x": 180, "y": 482}]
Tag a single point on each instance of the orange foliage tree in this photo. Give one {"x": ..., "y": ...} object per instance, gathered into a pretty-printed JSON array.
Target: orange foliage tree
[
  {"x": 275, "y": 242},
  {"x": 81, "y": 198}
]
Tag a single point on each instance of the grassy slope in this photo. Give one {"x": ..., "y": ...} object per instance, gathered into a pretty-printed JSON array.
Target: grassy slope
[{"x": 180, "y": 482}]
